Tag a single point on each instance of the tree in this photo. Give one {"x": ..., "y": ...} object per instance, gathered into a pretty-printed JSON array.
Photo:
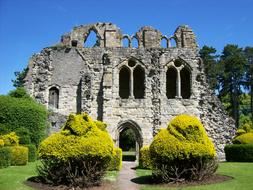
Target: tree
[
  {"x": 209, "y": 57},
  {"x": 20, "y": 76},
  {"x": 233, "y": 63},
  {"x": 19, "y": 92},
  {"x": 249, "y": 74}
]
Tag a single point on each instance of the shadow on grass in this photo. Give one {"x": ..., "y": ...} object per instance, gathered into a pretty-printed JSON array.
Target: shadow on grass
[{"x": 143, "y": 180}]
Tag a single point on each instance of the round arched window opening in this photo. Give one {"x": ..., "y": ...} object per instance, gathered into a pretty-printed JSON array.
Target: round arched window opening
[
  {"x": 177, "y": 63},
  {"x": 131, "y": 63}
]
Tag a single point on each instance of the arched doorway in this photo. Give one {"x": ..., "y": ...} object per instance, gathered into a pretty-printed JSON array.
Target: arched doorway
[{"x": 129, "y": 139}]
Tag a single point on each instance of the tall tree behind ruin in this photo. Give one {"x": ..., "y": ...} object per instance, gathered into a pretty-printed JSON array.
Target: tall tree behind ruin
[
  {"x": 249, "y": 74},
  {"x": 209, "y": 57},
  {"x": 233, "y": 63}
]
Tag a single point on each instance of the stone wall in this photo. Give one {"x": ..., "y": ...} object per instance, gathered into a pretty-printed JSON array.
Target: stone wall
[{"x": 88, "y": 80}]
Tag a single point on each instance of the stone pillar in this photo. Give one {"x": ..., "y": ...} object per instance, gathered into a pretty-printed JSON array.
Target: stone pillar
[
  {"x": 178, "y": 84},
  {"x": 131, "y": 84}
]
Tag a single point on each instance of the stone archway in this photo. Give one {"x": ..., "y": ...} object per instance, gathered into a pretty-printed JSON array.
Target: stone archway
[{"x": 137, "y": 132}]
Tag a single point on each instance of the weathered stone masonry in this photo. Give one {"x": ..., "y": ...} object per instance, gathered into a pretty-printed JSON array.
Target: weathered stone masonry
[{"x": 140, "y": 87}]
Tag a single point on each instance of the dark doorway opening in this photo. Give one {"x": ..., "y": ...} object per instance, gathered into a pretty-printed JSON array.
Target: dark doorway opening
[{"x": 127, "y": 142}]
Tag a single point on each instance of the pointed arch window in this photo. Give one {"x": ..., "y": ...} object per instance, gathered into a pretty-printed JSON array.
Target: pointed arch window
[
  {"x": 53, "y": 97},
  {"x": 178, "y": 81},
  {"x": 132, "y": 81}
]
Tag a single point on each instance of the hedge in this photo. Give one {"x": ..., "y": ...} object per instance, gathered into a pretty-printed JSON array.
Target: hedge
[
  {"x": 32, "y": 152},
  {"x": 5, "y": 157},
  {"x": 239, "y": 152},
  {"x": 182, "y": 147},
  {"x": 145, "y": 160},
  {"x": 78, "y": 155},
  {"x": 246, "y": 138},
  {"x": 116, "y": 161},
  {"x": 19, "y": 155},
  {"x": 17, "y": 114}
]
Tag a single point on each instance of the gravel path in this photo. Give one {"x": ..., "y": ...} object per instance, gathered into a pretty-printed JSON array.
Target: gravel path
[{"x": 126, "y": 174}]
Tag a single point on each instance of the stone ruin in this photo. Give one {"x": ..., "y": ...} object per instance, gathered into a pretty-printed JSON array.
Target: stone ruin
[{"x": 141, "y": 88}]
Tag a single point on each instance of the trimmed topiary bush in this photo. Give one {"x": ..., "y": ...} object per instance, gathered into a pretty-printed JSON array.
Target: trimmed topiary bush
[
  {"x": 239, "y": 152},
  {"x": 78, "y": 155},
  {"x": 183, "y": 151},
  {"x": 246, "y": 138},
  {"x": 32, "y": 152},
  {"x": 145, "y": 160},
  {"x": 116, "y": 161},
  {"x": 5, "y": 157},
  {"x": 19, "y": 155}
]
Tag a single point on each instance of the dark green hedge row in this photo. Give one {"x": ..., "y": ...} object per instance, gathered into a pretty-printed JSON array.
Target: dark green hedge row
[
  {"x": 239, "y": 153},
  {"x": 5, "y": 157},
  {"x": 32, "y": 152},
  {"x": 25, "y": 117}
]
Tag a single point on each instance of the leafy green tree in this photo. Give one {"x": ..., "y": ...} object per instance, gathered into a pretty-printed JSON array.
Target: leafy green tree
[
  {"x": 209, "y": 57},
  {"x": 19, "y": 92},
  {"x": 233, "y": 63},
  {"x": 20, "y": 76},
  {"x": 249, "y": 74}
]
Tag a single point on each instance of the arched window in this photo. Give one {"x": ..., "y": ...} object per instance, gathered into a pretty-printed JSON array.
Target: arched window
[
  {"x": 124, "y": 83},
  {"x": 171, "y": 82},
  {"x": 164, "y": 42},
  {"x": 139, "y": 78},
  {"x": 135, "y": 42},
  {"x": 172, "y": 42},
  {"x": 53, "y": 97},
  {"x": 185, "y": 83},
  {"x": 125, "y": 41},
  {"x": 131, "y": 80},
  {"x": 91, "y": 39}
]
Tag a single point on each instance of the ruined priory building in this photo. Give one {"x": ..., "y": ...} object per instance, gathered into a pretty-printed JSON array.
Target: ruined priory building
[{"x": 141, "y": 87}]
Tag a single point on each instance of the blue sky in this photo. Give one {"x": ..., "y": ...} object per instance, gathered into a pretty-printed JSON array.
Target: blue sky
[{"x": 27, "y": 26}]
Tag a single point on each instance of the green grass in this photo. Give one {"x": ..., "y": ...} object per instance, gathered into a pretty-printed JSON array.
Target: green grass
[
  {"x": 14, "y": 177},
  {"x": 241, "y": 172}
]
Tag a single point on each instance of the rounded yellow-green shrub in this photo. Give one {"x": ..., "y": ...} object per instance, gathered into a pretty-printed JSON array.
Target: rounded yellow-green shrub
[
  {"x": 82, "y": 143},
  {"x": 240, "y": 132},
  {"x": 19, "y": 155},
  {"x": 10, "y": 139},
  {"x": 145, "y": 160},
  {"x": 1, "y": 143},
  {"x": 116, "y": 161},
  {"x": 246, "y": 138},
  {"x": 181, "y": 146}
]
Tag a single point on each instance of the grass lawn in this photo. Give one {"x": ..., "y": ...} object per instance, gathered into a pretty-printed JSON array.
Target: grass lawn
[
  {"x": 128, "y": 156},
  {"x": 13, "y": 178},
  {"x": 241, "y": 172}
]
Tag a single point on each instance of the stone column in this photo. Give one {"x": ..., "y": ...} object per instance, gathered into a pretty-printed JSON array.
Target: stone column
[
  {"x": 131, "y": 83},
  {"x": 178, "y": 84}
]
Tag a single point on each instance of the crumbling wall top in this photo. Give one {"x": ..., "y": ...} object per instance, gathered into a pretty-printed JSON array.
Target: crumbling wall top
[{"x": 109, "y": 35}]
